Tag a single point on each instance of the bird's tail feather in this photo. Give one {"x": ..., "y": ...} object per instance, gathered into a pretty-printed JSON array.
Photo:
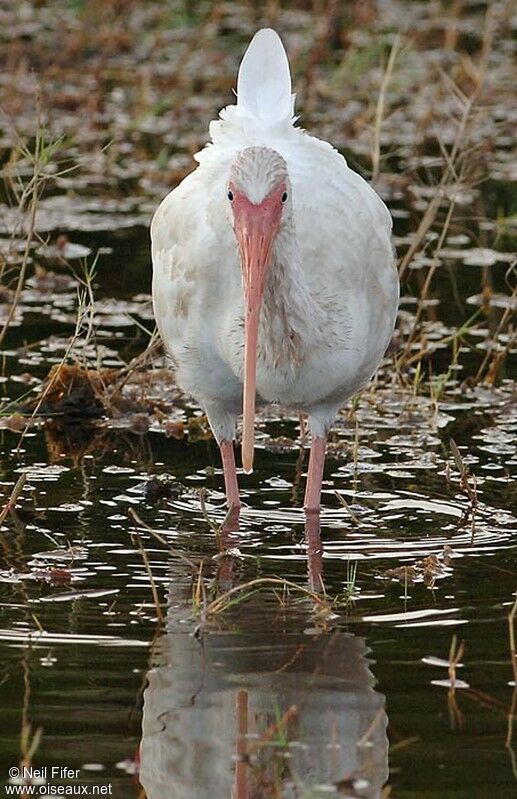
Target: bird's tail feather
[{"x": 264, "y": 82}]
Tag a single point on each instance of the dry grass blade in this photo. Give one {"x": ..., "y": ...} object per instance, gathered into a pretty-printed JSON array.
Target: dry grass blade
[
  {"x": 345, "y": 504},
  {"x": 33, "y": 194},
  {"x": 216, "y": 528},
  {"x": 489, "y": 371},
  {"x": 456, "y": 717},
  {"x": 455, "y": 655},
  {"x": 202, "y": 501},
  {"x": 271, "y": 731},
  {"x": 453, "y": 159},
  {"x": 26, "y": 193},
  {"x": 458, "y": 460},
  {"x": 175, "y": 552},
  {"x": 13, "y": 499},
  {"x": 430, "y": 347},
  {"x": 512, "y": 711},
  {"x": 511, "y": 635},
  {"x": 364, "y": 741},
  {"x": 136, "y": 538},
  {"x": 29, "y": 744},
  {"x": 413, "y": 739},
  {"x": 381, "y": 102},
  {"x": 468, "y": 485},
  {"x": 144, "y": 359},
  {"x": 84, "y": 326},
  {"x": 429, "y": 277},
  {"x": 224, "y": 600}
]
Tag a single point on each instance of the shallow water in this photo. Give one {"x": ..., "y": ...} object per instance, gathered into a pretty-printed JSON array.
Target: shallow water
[{"x": 352, "y": 685}]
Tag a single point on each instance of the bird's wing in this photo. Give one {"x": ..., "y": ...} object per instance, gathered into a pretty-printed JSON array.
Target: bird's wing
[
  {"x": 196, "y": 285},
  {"x": 173, "y": 269},
  {"x": 344, "y": 235},
  {"x": 342, "y": 223}
]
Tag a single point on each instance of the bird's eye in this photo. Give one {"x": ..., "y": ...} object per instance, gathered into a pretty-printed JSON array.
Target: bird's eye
[
  {"x": 284, "y": 197},
  {"x": 230, "y": 196}
]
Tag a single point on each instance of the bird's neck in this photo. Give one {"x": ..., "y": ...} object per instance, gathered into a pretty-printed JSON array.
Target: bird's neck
[{"x": 291, "y": 319}]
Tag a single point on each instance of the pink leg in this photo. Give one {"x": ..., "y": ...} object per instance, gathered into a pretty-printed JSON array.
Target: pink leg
[
  {"x": 315, "y": 476},
  {"x": 230, "y": 474},
  {"x": 314, "y": 552}
]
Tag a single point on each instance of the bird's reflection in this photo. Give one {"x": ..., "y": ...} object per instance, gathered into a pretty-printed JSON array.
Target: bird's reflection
[{"x": 266, "y": 705}]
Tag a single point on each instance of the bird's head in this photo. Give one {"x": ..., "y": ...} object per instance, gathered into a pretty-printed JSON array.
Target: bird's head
[{"x": 259, "y": 196}]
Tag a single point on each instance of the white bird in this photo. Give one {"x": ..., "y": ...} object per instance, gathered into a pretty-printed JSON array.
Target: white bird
[{"x": 274, "y": 273}]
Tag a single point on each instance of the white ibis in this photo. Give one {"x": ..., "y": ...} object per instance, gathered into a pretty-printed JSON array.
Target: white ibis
[{"x": 274, "y": 273}]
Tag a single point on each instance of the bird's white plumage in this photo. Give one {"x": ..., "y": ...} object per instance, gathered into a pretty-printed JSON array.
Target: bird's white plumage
[
  {"x": 264, "y": 82},
  {"x": 332, "y": 292}
]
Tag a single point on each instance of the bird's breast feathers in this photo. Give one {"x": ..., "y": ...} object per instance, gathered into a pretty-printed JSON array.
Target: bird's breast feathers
[{"x": 343, "y": 232}]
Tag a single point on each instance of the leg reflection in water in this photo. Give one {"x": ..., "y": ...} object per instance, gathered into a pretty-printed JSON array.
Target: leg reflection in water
[{"x": 267, "y": 704}]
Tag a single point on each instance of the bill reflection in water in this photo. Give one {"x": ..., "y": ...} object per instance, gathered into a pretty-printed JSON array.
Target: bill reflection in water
[{"x": 266, "y": 704}]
